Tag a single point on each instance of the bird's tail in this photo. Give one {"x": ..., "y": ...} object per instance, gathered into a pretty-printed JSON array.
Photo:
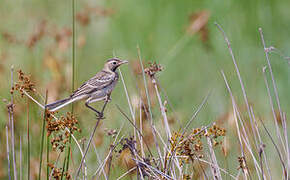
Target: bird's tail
[{"x": 59, "y": 104}]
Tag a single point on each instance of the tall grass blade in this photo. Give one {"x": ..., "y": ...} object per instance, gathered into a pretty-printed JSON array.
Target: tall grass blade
[{"x": 42, "y": 138}]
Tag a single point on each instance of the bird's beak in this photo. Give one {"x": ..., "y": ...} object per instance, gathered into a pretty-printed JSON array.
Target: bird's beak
[{"x": 123, "y": 62}]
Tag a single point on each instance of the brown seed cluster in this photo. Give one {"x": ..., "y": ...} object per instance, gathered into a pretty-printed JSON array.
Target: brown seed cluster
[
  {"x": 24, "y": 83},
  {"x": 242, "y": 163},
  {"x": 57, "y": 127},
  {"x": 190, "y": 146},
  {"x": 111, "y": 132},
  {"x": 153, "y": 69},
  {"x": 57, "y": 173}
]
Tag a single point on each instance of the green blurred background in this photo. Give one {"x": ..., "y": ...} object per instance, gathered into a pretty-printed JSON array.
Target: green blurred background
[{"x": 192, "y": 61}]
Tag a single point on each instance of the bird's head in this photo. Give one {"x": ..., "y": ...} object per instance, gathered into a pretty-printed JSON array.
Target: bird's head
[{"x": 113, "y": 64}]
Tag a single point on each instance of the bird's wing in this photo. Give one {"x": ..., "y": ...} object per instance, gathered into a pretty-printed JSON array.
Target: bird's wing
[{"x": 99, "y": 81}]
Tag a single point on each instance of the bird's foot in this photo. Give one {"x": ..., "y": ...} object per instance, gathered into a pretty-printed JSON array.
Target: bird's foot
[
  {"x": 100, "y": 115},
  {"x": 108, "y": 98}
]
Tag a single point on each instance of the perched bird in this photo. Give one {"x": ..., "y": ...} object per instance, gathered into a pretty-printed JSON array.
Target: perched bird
[{"x": 95, "y": 89}]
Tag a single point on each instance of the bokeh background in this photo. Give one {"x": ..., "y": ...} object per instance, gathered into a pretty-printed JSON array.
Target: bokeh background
[{"x": 36, "y": 36}]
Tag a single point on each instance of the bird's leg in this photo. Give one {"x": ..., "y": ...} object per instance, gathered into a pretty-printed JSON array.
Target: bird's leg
[
  {"x": 100, "y": 114},
  {"x": 108, "y": 98}
]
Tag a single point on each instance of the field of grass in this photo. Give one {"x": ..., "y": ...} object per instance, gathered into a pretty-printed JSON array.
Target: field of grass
[{"x": 156, "y": 127}]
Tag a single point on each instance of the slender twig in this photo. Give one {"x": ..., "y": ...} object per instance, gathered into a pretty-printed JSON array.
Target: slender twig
[
  {"x": 28, "y": 141},
  {"x": 145, "y": 84},
  {"x": 42, "y": 138},
  {"x": 20, "y": 159},
  {"x": 129, "y": 171},
  {"x": 215, "y": 168},
  {"x": 235, "y": 118},
  {"x": 99, "y": 160},
  {"x": 153, "y": 169},
  {"x": 47, "y": 156},
  {"x": 261, "y": 142},
  {"x": 42, "y": 107},
  {"x": 276, "y": 147},
  {"x": 55, "y": 164},
  {"x": 271, "y": 72},
  {"x": 11, "y": 119},
  {"x": 90, "y": 140},
  {"x": 261, "y": 150},
  {"x": 196, "y": 112},
  {"x": 8, "y": 152},
  {"x": 162, "y": 108},
  {"x": 125, "y": 115},
  {"x": 73, "y": 73}
]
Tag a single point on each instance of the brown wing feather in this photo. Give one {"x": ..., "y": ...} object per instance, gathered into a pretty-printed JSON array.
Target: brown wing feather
[{"x": 99, "y": 81}]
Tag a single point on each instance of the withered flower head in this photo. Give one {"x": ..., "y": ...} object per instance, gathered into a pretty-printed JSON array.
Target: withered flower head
[
  {"x": 24, "y": 84},
  {"x": 153, "y": 69}
]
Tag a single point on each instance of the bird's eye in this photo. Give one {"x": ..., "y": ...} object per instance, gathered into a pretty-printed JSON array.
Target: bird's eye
[{"x": 114, "y": 63}]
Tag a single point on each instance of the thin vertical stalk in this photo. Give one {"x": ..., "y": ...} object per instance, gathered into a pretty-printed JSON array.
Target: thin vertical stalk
[
  {"x": 20, "y": 159},
  {"x": 271, "y": 72},
  {"x": 73, "y": 73},
  {"x": 8, "y": 153},
  {"x": 11, "y": 119},
  {"x": 47, "y": 157},
  {"x": 28, "y": 142},
  {"x": 145, "y": 85},
  {"x": 162, "y": 109},
  {"x": 42, "y": 138}
]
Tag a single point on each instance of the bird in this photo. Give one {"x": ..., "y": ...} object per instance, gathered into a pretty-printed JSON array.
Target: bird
[{"x": 97, "y": 88}]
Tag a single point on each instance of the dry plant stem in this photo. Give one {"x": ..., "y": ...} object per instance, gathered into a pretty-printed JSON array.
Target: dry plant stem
[
  {"x": 221, "y": 169},
  {"x": 101, "y": 167},
  {"x": 271, "y": 72},
  {"x": 90, "y": 140},
  {"x": 141, "y": 128},
  {"x": 20, "y": 159},
  {"x": 55, "y": 164},
  {"x": 272, "y": 108},
  {"x": 237, "y": 71},
  {"x": 169, "y": 103},
  {"x": 123, "y": 113},
  {"x": 99, "y": 160},
  {"x": 8, "y": 153},
  {"x": 11, "y": 120},
  {"x": 235, "y": 117},
  {"x": 162, "y": 108},
  {"x": 123, "y": 175},
  {"x": 261, "y": 161},
  {"x": 196, "y": 112},
  {"x": 28, "y": 141},
  {"x": 40, "y": 105},
  {"x": 145, "y": 85},
  {"x": 153, "y": 170},
  {"x": 286, "y": 141},
  {"x": 276, "y": 147},
  {"x": 261, "y": 142},
  {"x": 129, "y": 102},
  {"x": 47, "y": 156},
  {"x": 42, "y": 138},
  {"x": 215, "y": 169},
  {"x": 73, "y": 73}
]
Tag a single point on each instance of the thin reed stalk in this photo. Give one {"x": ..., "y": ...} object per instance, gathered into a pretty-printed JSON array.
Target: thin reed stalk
[
  {"x": 90, "y": 140},
  {"x": 11, "y": 120},
  {"x": 20, "y": 158},
  {"x": 215, "y": 169},
  {"x": 28, "y": 140},
  {"x": 73, "y": 74},
  {"x": 8, "y": 153},
  {"x": 162, "y": 108},
  {"x": 42, "y": 138},
  {"x": 47, "y": 156}
]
